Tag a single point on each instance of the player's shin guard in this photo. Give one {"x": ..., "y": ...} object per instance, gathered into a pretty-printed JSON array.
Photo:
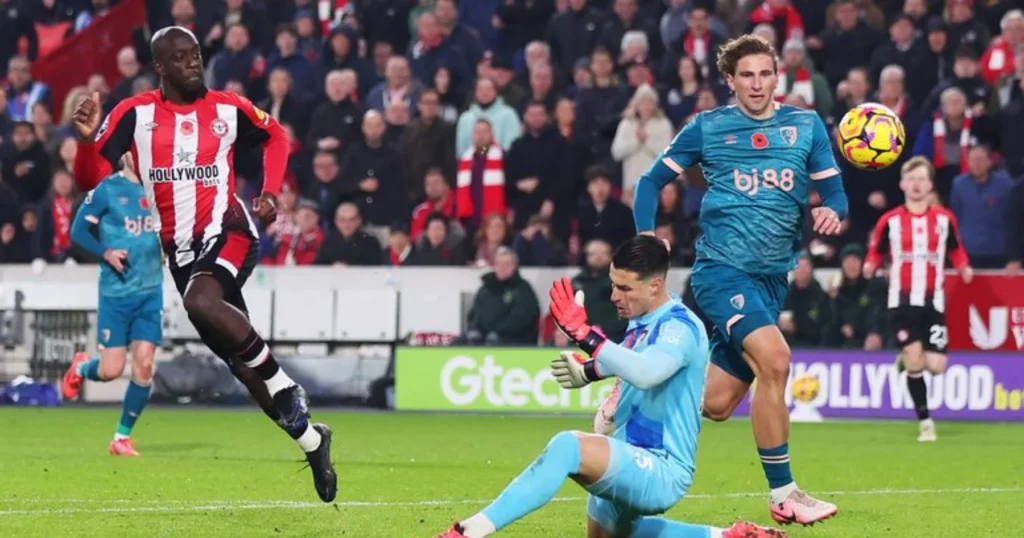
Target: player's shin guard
[
  {"x": 918, "y": 393},
  {"x": 532, "y": 489},
  {"x": 659, "y": 527},
  {"x": 90, "y": 370},
  {"x": 255, "y": 353},
  {"x": 135, "y": 399}
]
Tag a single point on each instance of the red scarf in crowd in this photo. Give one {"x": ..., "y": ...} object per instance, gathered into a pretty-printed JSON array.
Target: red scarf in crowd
[
  {"x": 939, "y": 132},
  {"x": 62, "y": 208},
  {"x": 765, "y": 13},
  {"x": 427, "y": 208},
  {"x": 399, "y": 258},
  {"x": 801, "y": 85},
  {"x": 698, "y": 47},
  {"x": 492, "y": 179}
]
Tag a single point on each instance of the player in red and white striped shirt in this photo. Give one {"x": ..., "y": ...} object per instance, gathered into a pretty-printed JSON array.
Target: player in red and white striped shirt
[
  {"x": 183, "y": 138},
  {"x": 917, "y": 238}
]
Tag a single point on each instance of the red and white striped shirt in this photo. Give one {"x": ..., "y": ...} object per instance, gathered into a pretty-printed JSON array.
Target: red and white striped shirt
[
  {"x": 184, "y": 155},
  {"x": 917, "y": 245}
]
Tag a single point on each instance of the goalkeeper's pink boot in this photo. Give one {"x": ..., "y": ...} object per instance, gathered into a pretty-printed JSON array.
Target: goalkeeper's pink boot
[
  {"x": 746, "y": 529},
  {"x": 801, "y": 508},
  {"x": 454, "y": 532}
]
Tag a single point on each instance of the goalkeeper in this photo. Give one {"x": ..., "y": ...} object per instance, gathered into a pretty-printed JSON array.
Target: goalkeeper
[{"x": 646, "y": 466}]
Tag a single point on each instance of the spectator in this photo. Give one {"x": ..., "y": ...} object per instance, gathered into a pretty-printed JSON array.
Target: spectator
[
  {"x": 287, "y": 56},
  {"x": 439, "y": 199},
  {"x": 15, "y": 26},
  {"x": 23, "y": 92},
  {"x": 327, "y": 191},
  {"x": 851, "y": 93},
  {"x": 436, "y": 247},
  {"x": 491, "y": 236},
  {"x": 903, "y": 48},
  {"x": 964, "y": 29},
  {"x": 450, "y": 101},
  {"x": 505, "y": 309},
  {"x": 980, "y": 200},
  {"x": 698, "y": 42},
  {"x": 946, "y": 138},
  {"x": 510, "y": 91},
  {"x": 1010, "y": 120},
  {"x": 6, "y": 124},
  {"x": 536, "y": 170},
  {"x": 857, "y": 311},
  {"x": 599, "y": 107},
  {"x": 538, "y": 54},
  {"x": 665, "y": 230},
  {"x": 96, "y": 9},
  {"x": 596, "y": 284},
  {"x": 384, "y": 23},
  {"x": 580, "y": 156},
  {"x": 17, "y": 241},
  {"x": 537, "y": 246},
  {"x": 372, "y": 171},
  {"x": 282, "y": 104},
  {"x": 432, "y": 51},
  {"x": 624, "y": 18},
  {"x": 400, "y": 249},
  {"x": 348, "y": 244},
  {"x": 243, "y": 13},
  {"x": 997, "y": 63},
  {"x": 130, "y": 69},
  {"x": 239, "y": 61},
  {"x": 601, "y": 216},
  {"x": 457, "y": 34},
  {"x": 66, "y": 152},
  {"x": 309, "y": 44},
  {"x": 428, "y": 142},
  {"x": 681, "y": 98},
  {"x": 641, "y": 136},
  {"x": 935, "y": 65},
  {"x": 397, "y": 86},
  {"x": 782, "y": 17},
  {"x": 917, "y": 11},
  {"x": 10, "y": 204},
  {"x": 892, "y": 93},
  {"x": 487, "y": 105},
  {"x": 807, "y": 311},
  {"x": 183, "y": 13},
  {"x": 45, "y": 131},
  {"x": 848, "y": 43},
  {"x": 26, "y": 166},
  {"x": 966, "y": 77},
  {"x": 797, "y": 76},
  {"x": 284, "y": 223},
  {"x": 301, "y": 244},
  {"x": 52, "y": 241},
  {"x": 480, "y": 181},
  {"x": 336, "y": 123},
  {"x": 542, "y": 87},
  {"x": 341, "y": 52},
  {"x": 481, "y": 14},
  {"x": 574, "y": 34},
  {"x": 522, "y": 24},
  {"x": 672, "y": 208}
]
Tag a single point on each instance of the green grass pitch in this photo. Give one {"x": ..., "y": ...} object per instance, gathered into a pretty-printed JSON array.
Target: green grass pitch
[{"x": 214, "y": 473}]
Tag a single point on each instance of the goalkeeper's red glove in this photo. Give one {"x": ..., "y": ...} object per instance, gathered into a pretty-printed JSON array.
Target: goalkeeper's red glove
[{"x": 571, "y": 318}]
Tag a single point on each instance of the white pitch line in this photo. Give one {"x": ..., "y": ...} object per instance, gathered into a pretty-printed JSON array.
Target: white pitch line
[{"x": 206, "y": 506}]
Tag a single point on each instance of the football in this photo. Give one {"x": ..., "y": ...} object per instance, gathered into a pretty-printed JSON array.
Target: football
[
  {"x": 871, "y": 136},
  {"x": 805, "y": 387}
]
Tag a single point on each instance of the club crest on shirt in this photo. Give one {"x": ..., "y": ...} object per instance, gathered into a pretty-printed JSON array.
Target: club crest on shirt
[
  {"x": 737, "y": 301},
  {"x": 788, "y": 134},
  {"x": 219, "y": 128}
]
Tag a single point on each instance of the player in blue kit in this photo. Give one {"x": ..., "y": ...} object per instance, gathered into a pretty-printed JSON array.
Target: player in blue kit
[
  {"x": 646, "y": 466},
  {"x": 760, "y": 160},
  {"x": 130, "y": 294}
]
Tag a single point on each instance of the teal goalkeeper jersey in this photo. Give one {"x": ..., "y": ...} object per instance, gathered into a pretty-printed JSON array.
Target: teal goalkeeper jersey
[
  {"x": 120, "y": 209},
  {"x": 666, "y": 418},
  {"x": 759, "y": 174}
]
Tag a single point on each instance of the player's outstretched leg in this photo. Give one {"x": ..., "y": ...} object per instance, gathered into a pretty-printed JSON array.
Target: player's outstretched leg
[
  {"x": 914, "y": 359},
  {"x": 659, "y": 527},
  {"x": 136, "y": 397},
  {"x": 767, "y": 352},
  {"x": 204, "y": 301}
]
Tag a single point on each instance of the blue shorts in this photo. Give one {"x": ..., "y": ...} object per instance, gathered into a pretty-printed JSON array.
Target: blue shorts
[
  {"x": 132, "y": 318},
  {"x": 637, "y": 483},
  {"x": 737, "y": 303}
]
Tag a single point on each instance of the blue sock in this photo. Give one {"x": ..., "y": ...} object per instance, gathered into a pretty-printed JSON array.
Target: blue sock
[
  {"x": 90, "y": 370},
  {"x": 135, "y": 399},
  {"x": 776, "y": 465},
  {"x": 538, "y": 483},
  {"x": 659, "y": 527}
]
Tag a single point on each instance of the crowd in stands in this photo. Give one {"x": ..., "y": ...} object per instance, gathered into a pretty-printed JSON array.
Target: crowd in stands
[{"x": 445, "y": 132}]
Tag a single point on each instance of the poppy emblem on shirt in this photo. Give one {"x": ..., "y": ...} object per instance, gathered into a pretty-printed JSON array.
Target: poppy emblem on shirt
[
  {"x": 219, "y": 128},
  {"x": 144, "y": 203},
  {"x": 759, "y": 140},
  {"x": 187, "y": 128}
]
